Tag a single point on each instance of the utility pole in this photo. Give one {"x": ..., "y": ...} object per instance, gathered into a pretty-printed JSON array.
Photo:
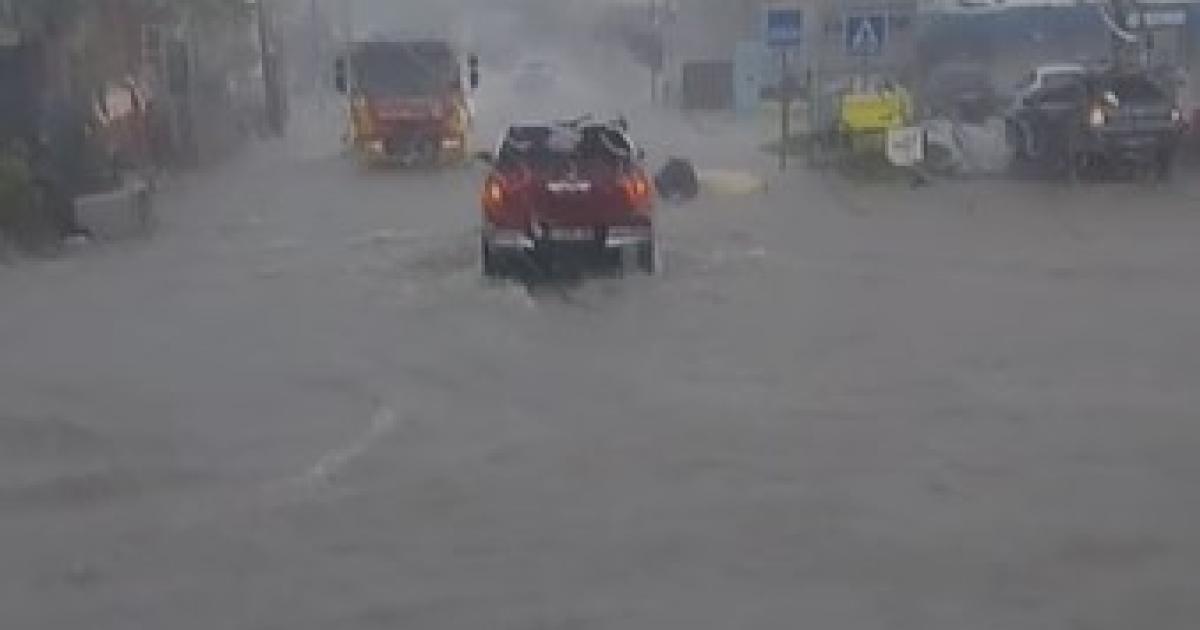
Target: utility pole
[
  {"x": 785, "y": 105},
  {"x": 348, "y": 20},
  {"x": 315, "y": 34},
  {"x": 270, "y": 70},
  {"x": 655, "y": 34}
]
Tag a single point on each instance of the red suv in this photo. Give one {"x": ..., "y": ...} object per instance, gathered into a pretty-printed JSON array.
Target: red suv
[{"x": 566, "y": 193}]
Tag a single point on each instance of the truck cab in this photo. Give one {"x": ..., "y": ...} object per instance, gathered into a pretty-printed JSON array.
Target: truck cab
[{"x": 408, "y": 101}]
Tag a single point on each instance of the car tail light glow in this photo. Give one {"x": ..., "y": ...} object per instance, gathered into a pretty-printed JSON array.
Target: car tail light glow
[
  {"x": 637, "y": 190},
  {"x": 493, "y": 195},
  {"x": 503, "y": 195}
]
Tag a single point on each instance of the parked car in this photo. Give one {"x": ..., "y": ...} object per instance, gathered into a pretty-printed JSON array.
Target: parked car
[{"x": 1102, "y": 121}]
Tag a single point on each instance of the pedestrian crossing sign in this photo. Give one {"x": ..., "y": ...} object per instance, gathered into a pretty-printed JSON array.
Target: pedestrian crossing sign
[{"x": 866, "y": 35}]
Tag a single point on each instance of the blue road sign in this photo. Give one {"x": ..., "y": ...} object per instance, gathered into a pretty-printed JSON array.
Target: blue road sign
[
  {"x": 866, "y": 35},
  {"x": 785, "y": 27}
]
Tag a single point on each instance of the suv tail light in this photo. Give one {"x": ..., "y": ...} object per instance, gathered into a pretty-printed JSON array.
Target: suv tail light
[
  {"x": 494, "y": 195},
  {"x": 503, "y": 198},
  {"x": 637, "y": 190}
]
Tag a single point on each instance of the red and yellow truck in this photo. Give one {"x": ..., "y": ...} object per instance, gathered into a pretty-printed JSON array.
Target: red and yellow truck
[{"x": 407, "y": 101}]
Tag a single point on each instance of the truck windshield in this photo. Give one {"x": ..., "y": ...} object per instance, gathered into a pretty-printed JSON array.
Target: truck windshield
[{"x": 405, "y": 69}]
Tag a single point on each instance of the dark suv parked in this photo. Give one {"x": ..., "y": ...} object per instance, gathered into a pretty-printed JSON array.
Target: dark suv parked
[{"x": 1104, "y": 122}]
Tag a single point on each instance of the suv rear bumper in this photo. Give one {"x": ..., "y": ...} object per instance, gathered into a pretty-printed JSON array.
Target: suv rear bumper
[
  {"x": 581, "y": 239},
  {"x": 1131, "y": 144}
]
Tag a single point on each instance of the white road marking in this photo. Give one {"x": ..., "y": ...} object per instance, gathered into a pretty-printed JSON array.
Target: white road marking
[
  {"x": 384, "y": 422},
  {"x": 313, "y": 485}
]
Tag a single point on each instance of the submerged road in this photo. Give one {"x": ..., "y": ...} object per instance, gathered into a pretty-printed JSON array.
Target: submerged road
[{"x": 841, "y": 406}]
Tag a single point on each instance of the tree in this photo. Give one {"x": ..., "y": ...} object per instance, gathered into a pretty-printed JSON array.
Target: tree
[
  {"x": 48, "y": 15},
  {"x": 54, "y": 16}
]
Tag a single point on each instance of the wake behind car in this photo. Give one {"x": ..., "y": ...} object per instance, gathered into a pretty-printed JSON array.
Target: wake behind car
[
  {"x": 1103, "y": 122},
  {"x": 564, "y": 194}
]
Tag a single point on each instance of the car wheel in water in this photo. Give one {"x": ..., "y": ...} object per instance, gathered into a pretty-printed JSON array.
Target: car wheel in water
[
  {"x": 1165, "y": 165},
  {"x": 1076, "y": 160},
  {"x": 1074, "y": 169},
  {"x": 490, "y": 263},
  {"x": 1084, "y": 166},
  {"x": 647, "y": 261},
  {"x": 1016, "y": 140}
]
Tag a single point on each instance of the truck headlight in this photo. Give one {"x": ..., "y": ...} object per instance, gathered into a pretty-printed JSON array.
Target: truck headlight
[{"x": 1097, "y": 118}]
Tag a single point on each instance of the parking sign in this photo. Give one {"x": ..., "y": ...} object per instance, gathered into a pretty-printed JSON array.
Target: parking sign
[
  {"x": 866, "y": 35},
  {"x": 784, "y": 27}
]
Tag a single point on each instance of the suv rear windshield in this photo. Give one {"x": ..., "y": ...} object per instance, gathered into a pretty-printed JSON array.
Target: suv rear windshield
[
  {"x": 1133, "y": 89},
  {"x": 556, "y": 145}
]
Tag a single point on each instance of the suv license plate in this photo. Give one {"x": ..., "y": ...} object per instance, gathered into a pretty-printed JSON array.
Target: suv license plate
[{"x": 572, "y": 234}]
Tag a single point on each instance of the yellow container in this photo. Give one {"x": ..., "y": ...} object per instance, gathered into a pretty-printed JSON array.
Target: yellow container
[{"x": 875, "y": 112}]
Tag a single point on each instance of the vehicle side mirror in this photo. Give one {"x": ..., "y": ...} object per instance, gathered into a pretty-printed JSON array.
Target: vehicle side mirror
[
  {"x": 473, "y": 71},
  {"x": 339, "y": 76},
  {"x": 485, "y": 157}
]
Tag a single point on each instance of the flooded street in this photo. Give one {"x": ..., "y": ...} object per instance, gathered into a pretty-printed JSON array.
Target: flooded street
[{"x": 840, "y": 405}]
